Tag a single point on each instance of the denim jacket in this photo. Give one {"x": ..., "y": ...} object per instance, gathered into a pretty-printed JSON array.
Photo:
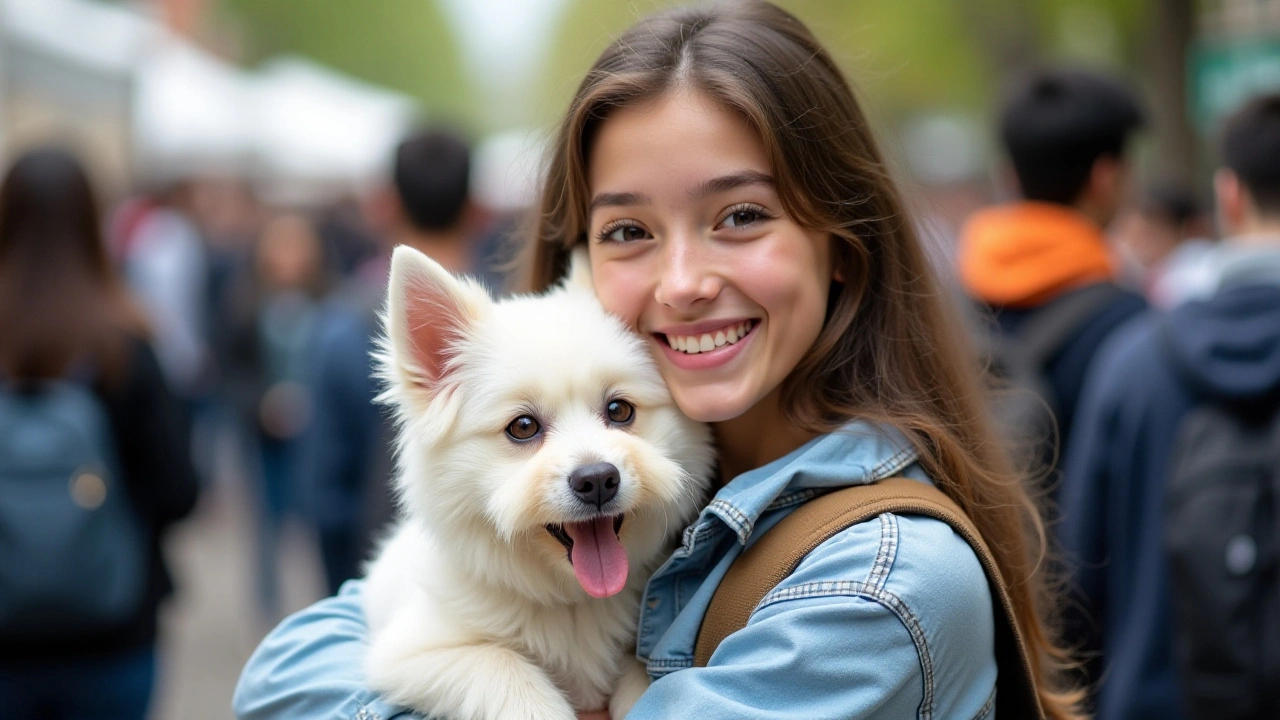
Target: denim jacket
[{"x": 891, "y": 618}]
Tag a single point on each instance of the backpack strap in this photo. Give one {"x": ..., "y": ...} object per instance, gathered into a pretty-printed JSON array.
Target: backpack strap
[
  {"x": 1042, "y": 337},
  {"x": 777, "y": 554}
]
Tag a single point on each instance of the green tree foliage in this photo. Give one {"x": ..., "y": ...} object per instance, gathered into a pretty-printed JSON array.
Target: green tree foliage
[
  {"x": 400, "y": 44},
  {"x": 906, "y": 56}
]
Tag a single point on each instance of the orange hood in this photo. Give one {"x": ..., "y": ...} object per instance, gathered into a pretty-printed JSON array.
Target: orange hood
[{"x": 1026, "y": 253}]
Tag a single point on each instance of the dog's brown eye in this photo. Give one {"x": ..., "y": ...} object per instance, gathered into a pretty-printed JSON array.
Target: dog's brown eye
[
  {"x": 620, "y": 412},
  {"x": 523, "y": 428}
]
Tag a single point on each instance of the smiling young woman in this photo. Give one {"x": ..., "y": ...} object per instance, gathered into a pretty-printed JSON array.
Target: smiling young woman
[
  {"x": 739, "y": 216},
  {"x": 722, "y": 174}
]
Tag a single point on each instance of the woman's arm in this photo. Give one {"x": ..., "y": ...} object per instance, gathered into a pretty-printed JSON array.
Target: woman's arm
[
  {"x": 311, "y": 666},
  {"x": 829, "y": 657}
]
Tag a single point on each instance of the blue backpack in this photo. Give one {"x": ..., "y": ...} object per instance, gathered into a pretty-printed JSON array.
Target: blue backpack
[{"x": 73, "y": 553}]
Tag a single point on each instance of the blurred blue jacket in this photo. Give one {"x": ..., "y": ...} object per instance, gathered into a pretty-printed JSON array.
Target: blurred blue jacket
[
  {"x": 344, "y": 455},
  {"x": 889, "y": 618},
  {"x": 1148, "y": 376}
]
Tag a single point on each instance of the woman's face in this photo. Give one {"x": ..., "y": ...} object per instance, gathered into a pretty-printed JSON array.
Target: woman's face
[{"x": 689, "y": 244}]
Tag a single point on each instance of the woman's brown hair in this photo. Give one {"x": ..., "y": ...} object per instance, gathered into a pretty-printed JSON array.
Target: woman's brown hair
[
  {"x": 61, "y": 301},
  {"x": 891, "y": 350}
]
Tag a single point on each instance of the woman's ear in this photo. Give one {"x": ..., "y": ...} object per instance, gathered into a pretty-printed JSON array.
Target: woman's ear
[{"x": 428, "y": 313}]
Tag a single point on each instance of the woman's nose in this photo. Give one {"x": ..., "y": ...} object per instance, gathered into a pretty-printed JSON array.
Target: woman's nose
[{"x": 687, "y": 277}]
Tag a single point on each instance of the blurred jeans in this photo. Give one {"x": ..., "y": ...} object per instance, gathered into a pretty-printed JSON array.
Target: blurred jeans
[{"x": 117, "y": 687}]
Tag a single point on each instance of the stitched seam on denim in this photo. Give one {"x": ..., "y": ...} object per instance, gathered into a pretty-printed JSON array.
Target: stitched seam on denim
[
  {"x": 887, "y": 553},
  {"x": 796, "y": 498},
  {"x": 987, "y": 707},
  {"x": 830, "y": 588},
  {"x": 893, "y": 463},
  {"x": 733, "y": 517},
  {"x": 666, "y": 666}
]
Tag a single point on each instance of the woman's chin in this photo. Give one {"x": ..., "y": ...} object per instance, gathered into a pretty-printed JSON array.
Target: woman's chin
[{"x": 708, "y": 405}]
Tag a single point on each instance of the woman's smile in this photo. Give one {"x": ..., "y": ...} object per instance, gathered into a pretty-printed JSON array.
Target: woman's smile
[{"x": 707, "y": 345}]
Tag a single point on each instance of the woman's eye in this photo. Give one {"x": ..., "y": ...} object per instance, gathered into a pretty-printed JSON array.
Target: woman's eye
[
  {"x": 624, "y": 233},
  {"x": 523, "y": 428},
  {"x": 742, "y": 218},
  {"x": 620, "y": 412}
]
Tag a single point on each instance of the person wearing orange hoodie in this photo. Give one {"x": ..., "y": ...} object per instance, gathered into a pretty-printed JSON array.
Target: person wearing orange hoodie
[{"x": 1042, "y": 265}]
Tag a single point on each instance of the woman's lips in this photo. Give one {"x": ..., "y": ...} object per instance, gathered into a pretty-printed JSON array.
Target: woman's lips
[{"x": 708, "y": 359}]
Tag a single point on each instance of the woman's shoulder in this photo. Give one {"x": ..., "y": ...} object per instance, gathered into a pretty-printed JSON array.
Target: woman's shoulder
[
  {"x": 900, "y": 559},
  {"x": 918, "y": 570}
]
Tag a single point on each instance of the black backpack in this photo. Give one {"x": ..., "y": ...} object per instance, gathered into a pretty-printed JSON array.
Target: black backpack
[
  {"x": 1223, "y": 545},
  {"x": 1026, "y": 407}
]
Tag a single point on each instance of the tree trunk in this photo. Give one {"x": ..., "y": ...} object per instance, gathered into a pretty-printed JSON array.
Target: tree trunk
[{"x": 1177, "y": 149}]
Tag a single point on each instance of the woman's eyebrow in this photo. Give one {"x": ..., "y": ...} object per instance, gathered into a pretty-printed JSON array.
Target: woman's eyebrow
[
  {"x": 704, "y": 189},
  {"x": 730, "y": 182},
  {"x": 618, "y": 200}
]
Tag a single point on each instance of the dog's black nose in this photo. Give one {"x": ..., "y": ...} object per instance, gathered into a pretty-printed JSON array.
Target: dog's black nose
[{"x": 595, "y": 484}]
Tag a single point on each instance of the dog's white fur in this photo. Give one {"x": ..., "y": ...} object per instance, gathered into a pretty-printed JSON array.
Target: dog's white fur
[{"x": 473, "y": 607}]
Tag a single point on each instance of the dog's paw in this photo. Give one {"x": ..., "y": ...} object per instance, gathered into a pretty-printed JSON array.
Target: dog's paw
[
  {"x": 631, "y": 685},
  {"x": 470, "y": 682}
]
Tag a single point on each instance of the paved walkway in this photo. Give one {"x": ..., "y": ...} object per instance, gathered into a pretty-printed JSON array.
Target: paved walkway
[{"x": 212, "y": 625}]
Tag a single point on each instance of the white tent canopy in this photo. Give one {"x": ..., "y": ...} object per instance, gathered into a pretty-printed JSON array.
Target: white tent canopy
[
  {"x": 313, "y": 123},
  {"x": 106, "y": 38},
  {"x": 293, "y": 121},
  {"x": 192, "y": 112}
]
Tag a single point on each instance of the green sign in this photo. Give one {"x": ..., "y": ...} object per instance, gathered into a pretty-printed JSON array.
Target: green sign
[{"x": 1226, "y": 74}]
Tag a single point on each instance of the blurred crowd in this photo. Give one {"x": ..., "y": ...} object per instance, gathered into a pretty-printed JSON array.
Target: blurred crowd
[{"x": 1132, "y": 332}]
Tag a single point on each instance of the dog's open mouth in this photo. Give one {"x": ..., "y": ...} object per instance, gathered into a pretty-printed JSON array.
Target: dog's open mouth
[{"x": 598, "y": 558}]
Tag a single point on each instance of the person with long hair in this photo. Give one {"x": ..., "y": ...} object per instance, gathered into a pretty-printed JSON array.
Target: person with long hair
[
  {"x": 739, "y": 216},
  {"x": 65, "y": 317}
]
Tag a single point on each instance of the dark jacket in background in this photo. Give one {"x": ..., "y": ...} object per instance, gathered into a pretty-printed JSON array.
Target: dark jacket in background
[
  {"x": 151, "y": 432},
  {"x": 345, "y": 459},
  {"x": 1017, "y": 260},
  {"x": 1066, "y": 371},
  {"x": 1146, "y": 379}
]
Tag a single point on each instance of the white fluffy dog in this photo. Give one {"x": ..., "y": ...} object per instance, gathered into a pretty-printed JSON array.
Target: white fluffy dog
[{"x": 543, "y": 470}]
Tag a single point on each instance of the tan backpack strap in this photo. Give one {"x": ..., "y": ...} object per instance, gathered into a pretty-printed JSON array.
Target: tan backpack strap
[{"x": 776, "y": 555}]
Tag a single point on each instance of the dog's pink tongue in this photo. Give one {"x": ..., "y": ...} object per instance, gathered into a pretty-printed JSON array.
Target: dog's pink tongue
[{"x": 599, "y": 560}]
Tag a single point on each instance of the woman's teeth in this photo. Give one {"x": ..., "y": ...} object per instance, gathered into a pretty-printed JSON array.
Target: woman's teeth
[{"x": 706, "y": 342}]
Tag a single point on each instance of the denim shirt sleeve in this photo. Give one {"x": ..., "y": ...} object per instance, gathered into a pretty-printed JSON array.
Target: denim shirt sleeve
[
  {"x": 310, "y": 666},
  {"x": 889, "y": 619}
]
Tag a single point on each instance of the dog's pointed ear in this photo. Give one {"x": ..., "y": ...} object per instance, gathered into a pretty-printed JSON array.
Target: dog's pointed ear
[
  {"x": 579, "y": 276},
  {"x": 428, "y": 312}
]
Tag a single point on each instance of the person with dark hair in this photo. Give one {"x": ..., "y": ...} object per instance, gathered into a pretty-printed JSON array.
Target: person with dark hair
[
  {"x": 1042, "y": 266},
  {"x": 432, "y": 176},
  {"x": 1169, "y": 488},
  {"x": 1166, "y": 240},
  {"x": 94, "y": 459},
  {"x": 344, "y": 459}
]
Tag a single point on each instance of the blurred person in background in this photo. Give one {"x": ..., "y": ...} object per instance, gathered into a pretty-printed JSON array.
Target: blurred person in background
[
  {"x": 94, "y": 460},
  {"x": 1170, "y": 484},
  {"x": 1167, "y": 240},
  {"x": 346, "y": 460},
  {"x": 166, "y": 264},
  {"x": 1042, "y": 265},
  {"x": 266, "y": 363}
]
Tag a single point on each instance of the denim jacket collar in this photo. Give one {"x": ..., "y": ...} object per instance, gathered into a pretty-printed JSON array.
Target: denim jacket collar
[
  {"x": 677, "y": 595},
  {"x": 858, "y": 453}
]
